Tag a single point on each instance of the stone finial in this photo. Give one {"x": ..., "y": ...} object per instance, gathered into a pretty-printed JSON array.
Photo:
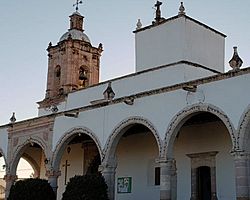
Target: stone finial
[
  {"x": 100, "y": 46},
  {"x": 139, "y": 24},
  {"x": 13, "y": 118},
  {"x": 235, "y": 61},
  {"x": 109, "y": 93},
  {"x": 181, "y": 9}
]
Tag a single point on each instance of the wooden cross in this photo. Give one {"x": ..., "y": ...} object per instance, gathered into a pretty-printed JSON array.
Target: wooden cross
[
  {"x": 77, "y": 4},
  {"x": 66, "y": 171}
]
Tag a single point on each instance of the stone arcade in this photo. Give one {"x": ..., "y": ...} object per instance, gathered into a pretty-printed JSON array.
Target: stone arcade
[{"x": 178, "y": 130}]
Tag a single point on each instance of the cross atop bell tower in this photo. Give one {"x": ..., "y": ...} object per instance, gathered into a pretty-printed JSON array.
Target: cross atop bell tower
[{"x": 77, "y": 4}]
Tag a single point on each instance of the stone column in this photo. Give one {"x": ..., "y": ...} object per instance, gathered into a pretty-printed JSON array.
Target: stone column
[
  {"x": 108, "y": 172},
  {"x": 9, "y": 179},
  {"x": 173, "y": 180},
  {"x": 53, "y": 178},
  {"x": 248, "y": 172},
  {"x": 241, "y": 175},
  {"x": 193, "y": 184},
  {"x": 213, "y": 183},
  {"x": 165, "y": 180}
]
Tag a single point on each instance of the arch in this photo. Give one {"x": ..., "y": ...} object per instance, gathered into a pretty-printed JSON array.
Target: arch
[
  {"x": 32, "y": 163},
  {"x": 4, "y": 157},
  {"x": 121, "y": 128},
  {"x": 19, "y": 151},
  {"x": 58, "y": 72},
  {"x": 66, "y": 138},
  {"x": 243, "y": 126},
  {"x": 181, "y": 117}
]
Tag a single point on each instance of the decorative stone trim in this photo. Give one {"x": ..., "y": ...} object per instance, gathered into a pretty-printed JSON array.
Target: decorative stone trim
[
  {"x": 52, "y": 173},
  {"x": 116, "y": 134},
  {"x": 179, "y": 119},
  {"x": 243, "y": 128},
  {"x": 19, "y": 150},
  {"x": 10, "y": 177},
  {"x": 198, "y": 160},
  {"x": 63, "y": 141}
]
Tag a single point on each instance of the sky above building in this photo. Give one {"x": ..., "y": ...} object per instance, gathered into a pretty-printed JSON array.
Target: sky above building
[{"x": 28, "y": 26}]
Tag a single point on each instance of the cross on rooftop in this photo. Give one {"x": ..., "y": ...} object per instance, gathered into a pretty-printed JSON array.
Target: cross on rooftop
[
  {"x": 77, "y": 4},
  {"x": 158, "y": 11}
]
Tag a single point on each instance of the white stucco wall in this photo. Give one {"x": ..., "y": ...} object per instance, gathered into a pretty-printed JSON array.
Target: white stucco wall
[
  {"x": 136, "y": 156},
  {"x": 161, "y": 108},
  {"x": 179, "y": 39},
  {"x": 4, "y": 140},
  {"x": 199, "y": 139},
  {"x": 134, "y": 84}
]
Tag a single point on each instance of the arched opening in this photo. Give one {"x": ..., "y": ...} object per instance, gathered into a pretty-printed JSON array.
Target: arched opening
[
  {"x": 2, "y": 174},
  {"x": 57, "y": 79},
  {"x": 83, "y": 77},
  {"x": 30, "y": 162},
  {"x": 25, "y": 169},
  {"x": 78, "y": 155},
  {"x": 205, "y": 167},
  {"x": 135, "y": 150},
  {"x": 203, "y": 183}
]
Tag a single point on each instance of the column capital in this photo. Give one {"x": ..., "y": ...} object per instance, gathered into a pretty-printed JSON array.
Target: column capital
[
  {"x": 10, "y": 177},
  {"x": 52, "y": 173},
  {"x": 240, "y": 154}
]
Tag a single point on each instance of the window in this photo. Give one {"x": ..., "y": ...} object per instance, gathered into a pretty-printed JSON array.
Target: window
[{"x": 157, "y": 175}]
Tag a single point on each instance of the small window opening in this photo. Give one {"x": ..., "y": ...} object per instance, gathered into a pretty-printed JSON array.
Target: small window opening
[{"x": 157, "y": 175}]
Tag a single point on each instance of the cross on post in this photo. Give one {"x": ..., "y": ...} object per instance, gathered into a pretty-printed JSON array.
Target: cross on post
[
  {"x": 66, "y": 171},
  {"x": 77, "y": 4},
  {"x": 158, "y": 11}
]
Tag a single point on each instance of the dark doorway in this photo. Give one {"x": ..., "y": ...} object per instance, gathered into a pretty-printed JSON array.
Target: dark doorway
[{"x": 204, "y": 183}]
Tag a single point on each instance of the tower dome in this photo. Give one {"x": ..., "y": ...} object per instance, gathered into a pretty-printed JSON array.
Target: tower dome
[
  {"x": 75, "y": 35},
  {"x": 76, "y": 31}
]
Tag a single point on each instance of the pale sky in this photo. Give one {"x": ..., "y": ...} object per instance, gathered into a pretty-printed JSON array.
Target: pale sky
[{"x": 28, "y": 26}]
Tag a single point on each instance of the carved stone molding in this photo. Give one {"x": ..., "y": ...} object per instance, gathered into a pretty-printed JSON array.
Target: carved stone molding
[
  {"x": 199, "y": 160},
  {"x": 203, "y": 159},
  {"x": 114, "y": 137},
  {"x": 179, "y": 119},
  {"x": 10, "y": 178},
  {"x": 64, "y": 140},
  {"x": 243, "y": 130},
  {"x": 52, "y": 173}
]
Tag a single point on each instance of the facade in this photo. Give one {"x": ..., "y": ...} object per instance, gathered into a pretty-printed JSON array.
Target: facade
[{"x": 177, "y": 128}]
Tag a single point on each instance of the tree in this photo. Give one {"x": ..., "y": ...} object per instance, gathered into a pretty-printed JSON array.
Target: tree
[
  {"x": 30, "y": 189},
  {"x": 87, "y": 187}
]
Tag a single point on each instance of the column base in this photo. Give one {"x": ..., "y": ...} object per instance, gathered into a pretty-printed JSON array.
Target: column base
[
  {"x": 165, "y": 195},
  {"x": 214, "y": 196}
]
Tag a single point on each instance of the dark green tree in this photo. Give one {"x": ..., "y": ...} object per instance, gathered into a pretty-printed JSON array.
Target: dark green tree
[
  {"x": 87, "y": 187},
  {"x": 31, "y": 189}
]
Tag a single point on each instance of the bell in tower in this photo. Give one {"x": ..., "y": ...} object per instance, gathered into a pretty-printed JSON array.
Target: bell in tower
[{"x": 73, "y": 63}]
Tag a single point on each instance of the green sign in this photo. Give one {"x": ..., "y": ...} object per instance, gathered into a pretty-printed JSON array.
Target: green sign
[{"x": 124, "y": 185}]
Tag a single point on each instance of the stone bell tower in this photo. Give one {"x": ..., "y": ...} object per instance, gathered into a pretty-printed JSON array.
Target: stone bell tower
[{"x": 73, "y": 63}]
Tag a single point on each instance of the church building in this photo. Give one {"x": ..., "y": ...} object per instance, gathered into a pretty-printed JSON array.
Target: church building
[{"x": 176, "y": 129}]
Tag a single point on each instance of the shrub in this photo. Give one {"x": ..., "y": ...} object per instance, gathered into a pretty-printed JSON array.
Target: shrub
[
  {"x": 87, "y": 187},
  {"x": 30, "y": 189}
]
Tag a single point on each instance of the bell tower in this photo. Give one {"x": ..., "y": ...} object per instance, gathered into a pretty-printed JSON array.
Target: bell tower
[{"x": 73, "y": 63}]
